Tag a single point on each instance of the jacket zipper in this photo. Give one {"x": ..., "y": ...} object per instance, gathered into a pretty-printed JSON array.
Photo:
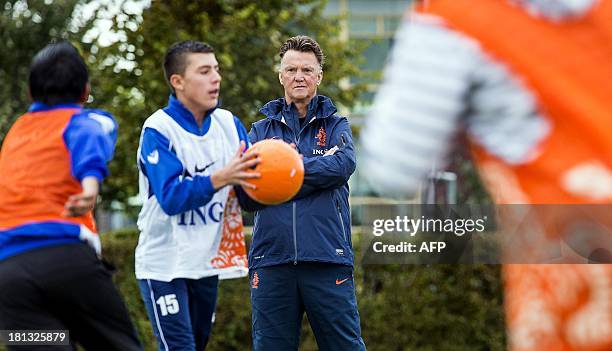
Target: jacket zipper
[
  {"x": 299, "y": 134},
  {"x": 294, "y": 205},
  {"x": 294, "y": 208},
  {"x": 295, "y": 261},
  {"x": 341, "y": 222}
]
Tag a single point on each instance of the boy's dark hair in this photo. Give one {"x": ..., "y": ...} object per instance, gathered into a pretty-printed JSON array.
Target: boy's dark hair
[
  {"x": 175, "y": 60},
  {"x": 58, "y": 74},
  {"x": 303, "y": 43}
]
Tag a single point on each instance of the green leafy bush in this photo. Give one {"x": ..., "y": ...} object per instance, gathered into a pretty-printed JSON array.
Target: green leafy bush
[{"x": 402, "y": 307}]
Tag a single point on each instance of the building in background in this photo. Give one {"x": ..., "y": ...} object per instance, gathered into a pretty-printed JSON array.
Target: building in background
[{"x": 374, "y": 23}]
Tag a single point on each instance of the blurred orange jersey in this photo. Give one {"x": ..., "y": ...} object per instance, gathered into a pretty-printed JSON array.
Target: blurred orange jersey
[
  {"x": 35, "y": 171},
  {"x": 567, "y": 66}
]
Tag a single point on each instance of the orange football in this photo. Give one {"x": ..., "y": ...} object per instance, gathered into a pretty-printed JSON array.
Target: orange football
[{"x": 281, "y": 169}]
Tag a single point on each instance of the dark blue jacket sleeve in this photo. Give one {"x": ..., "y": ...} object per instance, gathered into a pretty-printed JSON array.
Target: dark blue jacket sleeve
[
  {"x": 174, "y": 187},
  {"x": 90, "y": 138},
  {"x": 246, "y": 203},
  {"x": 334, "y": 170}
]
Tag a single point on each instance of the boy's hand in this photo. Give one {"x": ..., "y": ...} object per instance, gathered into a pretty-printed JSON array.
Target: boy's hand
[
  {"x": 234, "y": 173},
  {"x": 80, "y": 204}
]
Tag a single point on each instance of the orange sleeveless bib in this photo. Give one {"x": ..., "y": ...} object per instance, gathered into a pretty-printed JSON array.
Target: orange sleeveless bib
[{"x": 35, "y": 172}]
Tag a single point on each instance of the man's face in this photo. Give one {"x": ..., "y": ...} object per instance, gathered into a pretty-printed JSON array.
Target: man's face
[
  {"x": 300, "y": 74},
  {"x": 199, "y": 84}
]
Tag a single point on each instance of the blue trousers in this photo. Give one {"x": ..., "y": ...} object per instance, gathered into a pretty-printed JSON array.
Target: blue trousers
[
  {"x": 181, "y": 311},
  {"x": 281, "y": 294}
]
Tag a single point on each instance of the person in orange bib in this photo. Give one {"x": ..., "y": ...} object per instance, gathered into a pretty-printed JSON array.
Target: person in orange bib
[
  {"x": 530, "y": 83},
  {"x": 51, "y": 164}
]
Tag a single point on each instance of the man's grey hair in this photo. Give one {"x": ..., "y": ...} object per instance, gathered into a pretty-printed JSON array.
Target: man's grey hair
[{"x": 303, "y": 43}]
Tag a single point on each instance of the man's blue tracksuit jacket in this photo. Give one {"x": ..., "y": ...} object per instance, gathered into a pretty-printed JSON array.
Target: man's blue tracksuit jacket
[
  {"x": 315, "y": 226},
  {"x": 306, "y": 242}
]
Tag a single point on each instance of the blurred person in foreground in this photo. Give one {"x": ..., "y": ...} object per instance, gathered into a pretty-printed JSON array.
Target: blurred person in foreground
[
  {"x": 52, "y": 162},
  {"x": 530, "y": 82}
]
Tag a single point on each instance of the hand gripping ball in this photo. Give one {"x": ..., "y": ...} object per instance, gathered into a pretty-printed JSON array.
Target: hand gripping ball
[{"x": 281, "y": 169}]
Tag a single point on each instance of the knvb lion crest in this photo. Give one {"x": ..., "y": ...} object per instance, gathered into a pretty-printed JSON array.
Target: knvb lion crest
[{"x": 321, "y": 137}]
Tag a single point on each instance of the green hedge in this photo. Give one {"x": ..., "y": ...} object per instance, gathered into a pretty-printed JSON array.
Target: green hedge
[{"x": 437, "y": 307}]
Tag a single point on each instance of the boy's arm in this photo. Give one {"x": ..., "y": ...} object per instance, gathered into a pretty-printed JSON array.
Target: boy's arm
[
  {"x": 177, "y": 190},
  {"x": 246, "y": 203},
  {"x": 79, "y": 204},
  {"x": 90, "y": 138}
]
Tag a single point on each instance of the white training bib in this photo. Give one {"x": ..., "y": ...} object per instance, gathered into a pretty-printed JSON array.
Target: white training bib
[{"x": 185, "y": 245}]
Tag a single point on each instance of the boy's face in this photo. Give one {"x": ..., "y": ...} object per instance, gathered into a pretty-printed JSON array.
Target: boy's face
[{"x": 199, "y": 84}]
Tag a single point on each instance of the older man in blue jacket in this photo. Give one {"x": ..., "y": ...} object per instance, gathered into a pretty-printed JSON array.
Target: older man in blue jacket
[{"x": 301, "y": 258}]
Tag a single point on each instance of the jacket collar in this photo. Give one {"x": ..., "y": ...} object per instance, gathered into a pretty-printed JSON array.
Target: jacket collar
[
  {"x": 319, "y": 107},
  {"x": 39, "y": 106},
  {"x": 185, "y": 118}
]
